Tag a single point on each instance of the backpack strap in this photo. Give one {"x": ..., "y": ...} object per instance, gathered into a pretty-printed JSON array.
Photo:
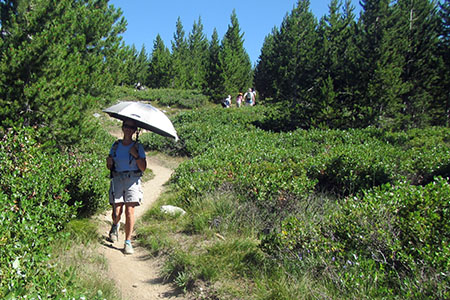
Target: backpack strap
[
  {"x": 115, "y": 146},
  {"x": 114, "y": 150}
]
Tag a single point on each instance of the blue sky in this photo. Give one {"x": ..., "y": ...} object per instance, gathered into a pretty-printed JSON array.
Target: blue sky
[{"x": 147, "y": 18}]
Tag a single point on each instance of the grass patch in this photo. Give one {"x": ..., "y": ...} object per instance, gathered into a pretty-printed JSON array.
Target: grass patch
[
  {"x": 79, "y": 263},
  {"x": 208, "y": 247},
  {"x": 154, "y": 228}
]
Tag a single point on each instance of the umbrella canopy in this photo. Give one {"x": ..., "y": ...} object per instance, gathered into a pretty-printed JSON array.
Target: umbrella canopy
[{"x": 146, "y": 116}]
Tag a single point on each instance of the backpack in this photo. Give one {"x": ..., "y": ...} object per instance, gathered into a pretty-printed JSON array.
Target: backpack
[
  {"x": 114, "y": 150},
  {"x": 249, "y": 96}
]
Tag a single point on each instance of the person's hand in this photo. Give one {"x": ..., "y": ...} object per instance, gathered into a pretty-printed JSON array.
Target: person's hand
[
  {"x": 134, "y": 151},
  {"x": 109, "y": 162}
]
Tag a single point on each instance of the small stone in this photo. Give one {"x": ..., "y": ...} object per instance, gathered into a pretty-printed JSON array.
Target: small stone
[{"x": 172, "y": 210}]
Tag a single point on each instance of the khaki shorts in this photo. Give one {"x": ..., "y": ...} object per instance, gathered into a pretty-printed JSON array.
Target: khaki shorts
[{"x": 125, "y": 188}]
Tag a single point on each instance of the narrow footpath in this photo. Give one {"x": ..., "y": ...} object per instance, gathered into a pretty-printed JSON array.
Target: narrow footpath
[{"x": 137, "y": 276}]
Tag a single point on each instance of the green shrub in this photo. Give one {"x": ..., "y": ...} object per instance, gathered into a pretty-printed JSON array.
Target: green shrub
[
  {"x": 41, "y": 190},
  {"x": 395, "y": 237},
  {"x": 427, "y": 154},
  {"x": 286, "y": 183},
  {"x": 34, "y": 201},
  {"x": 89, "y": 177},
  {"x": 165, "y": 97}
]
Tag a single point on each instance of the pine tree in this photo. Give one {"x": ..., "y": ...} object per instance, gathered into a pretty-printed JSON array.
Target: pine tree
[
  {"x": 179, "y": 58},
  {"x": 236, "y": 68},
  {"x": 198, "y": 56},
  {"x": 265, "y": 69},
  {"x": 128, "y": 59},
  {"x": 53, "y": 62},
  {"x": 160, "y": 70},
  {"x": 141, "y": 66},
  {"x": 442, "y": 96},
  {"x": 296, "y": 65},
  {"x": 419, "y": 27},
  {"x": 336, "y": 98},
  {"x": 117, "y": 63},
  {"x": 373, "y": 68},
  {"x": 386, "y": 88},
  {"x": 213, "y": 77}
]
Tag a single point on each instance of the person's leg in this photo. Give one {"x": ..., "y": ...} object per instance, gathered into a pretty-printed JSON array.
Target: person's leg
[
  {"x": 116, "y": 217},
  {"x": 129, "y": 224},
  {"x": 114, "y": 232},
  {"x": 133, "y": 198},
  {"x": 129, "y": 220}
]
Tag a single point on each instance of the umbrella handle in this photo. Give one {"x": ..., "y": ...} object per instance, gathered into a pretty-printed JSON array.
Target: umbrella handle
[{"x": 137, "y": 134}]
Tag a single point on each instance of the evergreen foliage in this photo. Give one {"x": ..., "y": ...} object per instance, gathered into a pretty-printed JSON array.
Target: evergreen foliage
[
  {"x": 293, "y": 65},
  {"x": 442, "y": 98},
  {"x": 213, "y": 78},
  {"x": 336, "y": 100},
  {"x": 265, "y": 68},
  {"x": 130, "y": 66},
  {"x": 236, "y": 69},
  {"x": 215, "y": 67},
  {"x": 198, "y": 57},
  {"x": 53, "y": 62},
  {"x": 418, "y": 25},
  {"x": 389, "y": 69},
  {"x": 142, "y": 64},
  {"x": 179, "y": 58},
  {"x": 160, "y": 67},
  {"x": 120, "y": 62},
  {"x": 380, "y": 40}
]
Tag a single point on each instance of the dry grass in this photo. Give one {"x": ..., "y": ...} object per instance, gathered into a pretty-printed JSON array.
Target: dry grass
[{"x": 79, "y": 256}]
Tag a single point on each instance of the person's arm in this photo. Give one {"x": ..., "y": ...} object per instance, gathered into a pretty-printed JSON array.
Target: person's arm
[
  {"x": 109, "y": 162},
  {"x": 141, "y": 162}
]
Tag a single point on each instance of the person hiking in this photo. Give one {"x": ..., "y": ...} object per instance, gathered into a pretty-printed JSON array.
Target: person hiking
[
  {"x": 239, "y": 100},
  {"x": 249, "y": 97},
  {"x": 254, "y": 96},
  {"x": 126, "y": 161},
  {"x": 227, "y": 102}
]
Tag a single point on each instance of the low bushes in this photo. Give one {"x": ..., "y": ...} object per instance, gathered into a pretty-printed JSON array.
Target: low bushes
[
  {"x": 34, "y": 201},
  {"x": 226, "y": 145},
  {"x": 357, "y": 210},
  {"x": 42, "y": 188},
  {"x": 165, "y": 97},
  {"x": 89, "y": 177},
  {"x": 393, "y": 232}
]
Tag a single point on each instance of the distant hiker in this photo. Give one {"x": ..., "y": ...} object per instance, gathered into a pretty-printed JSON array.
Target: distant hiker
[
  {"x": 239, "y": 100},
  {"x": 227, "y": 102},
  {"x": 249, "y": 97},
  {"x": 254, "y": 96},
  {"x": 139, "y": 86},
  {"x": 126, "y": 161}
]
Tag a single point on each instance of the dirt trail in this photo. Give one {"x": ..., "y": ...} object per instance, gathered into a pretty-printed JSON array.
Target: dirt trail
[{"x": 137, "y": 276}]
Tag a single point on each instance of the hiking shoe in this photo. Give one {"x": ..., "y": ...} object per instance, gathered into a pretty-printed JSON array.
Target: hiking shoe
[
  {"x": 114, "y": 233},
  {"x": 128, "y": 249}
]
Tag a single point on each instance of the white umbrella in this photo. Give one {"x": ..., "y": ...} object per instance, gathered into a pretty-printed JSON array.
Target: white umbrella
[{"x": 145, "y": 115}]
